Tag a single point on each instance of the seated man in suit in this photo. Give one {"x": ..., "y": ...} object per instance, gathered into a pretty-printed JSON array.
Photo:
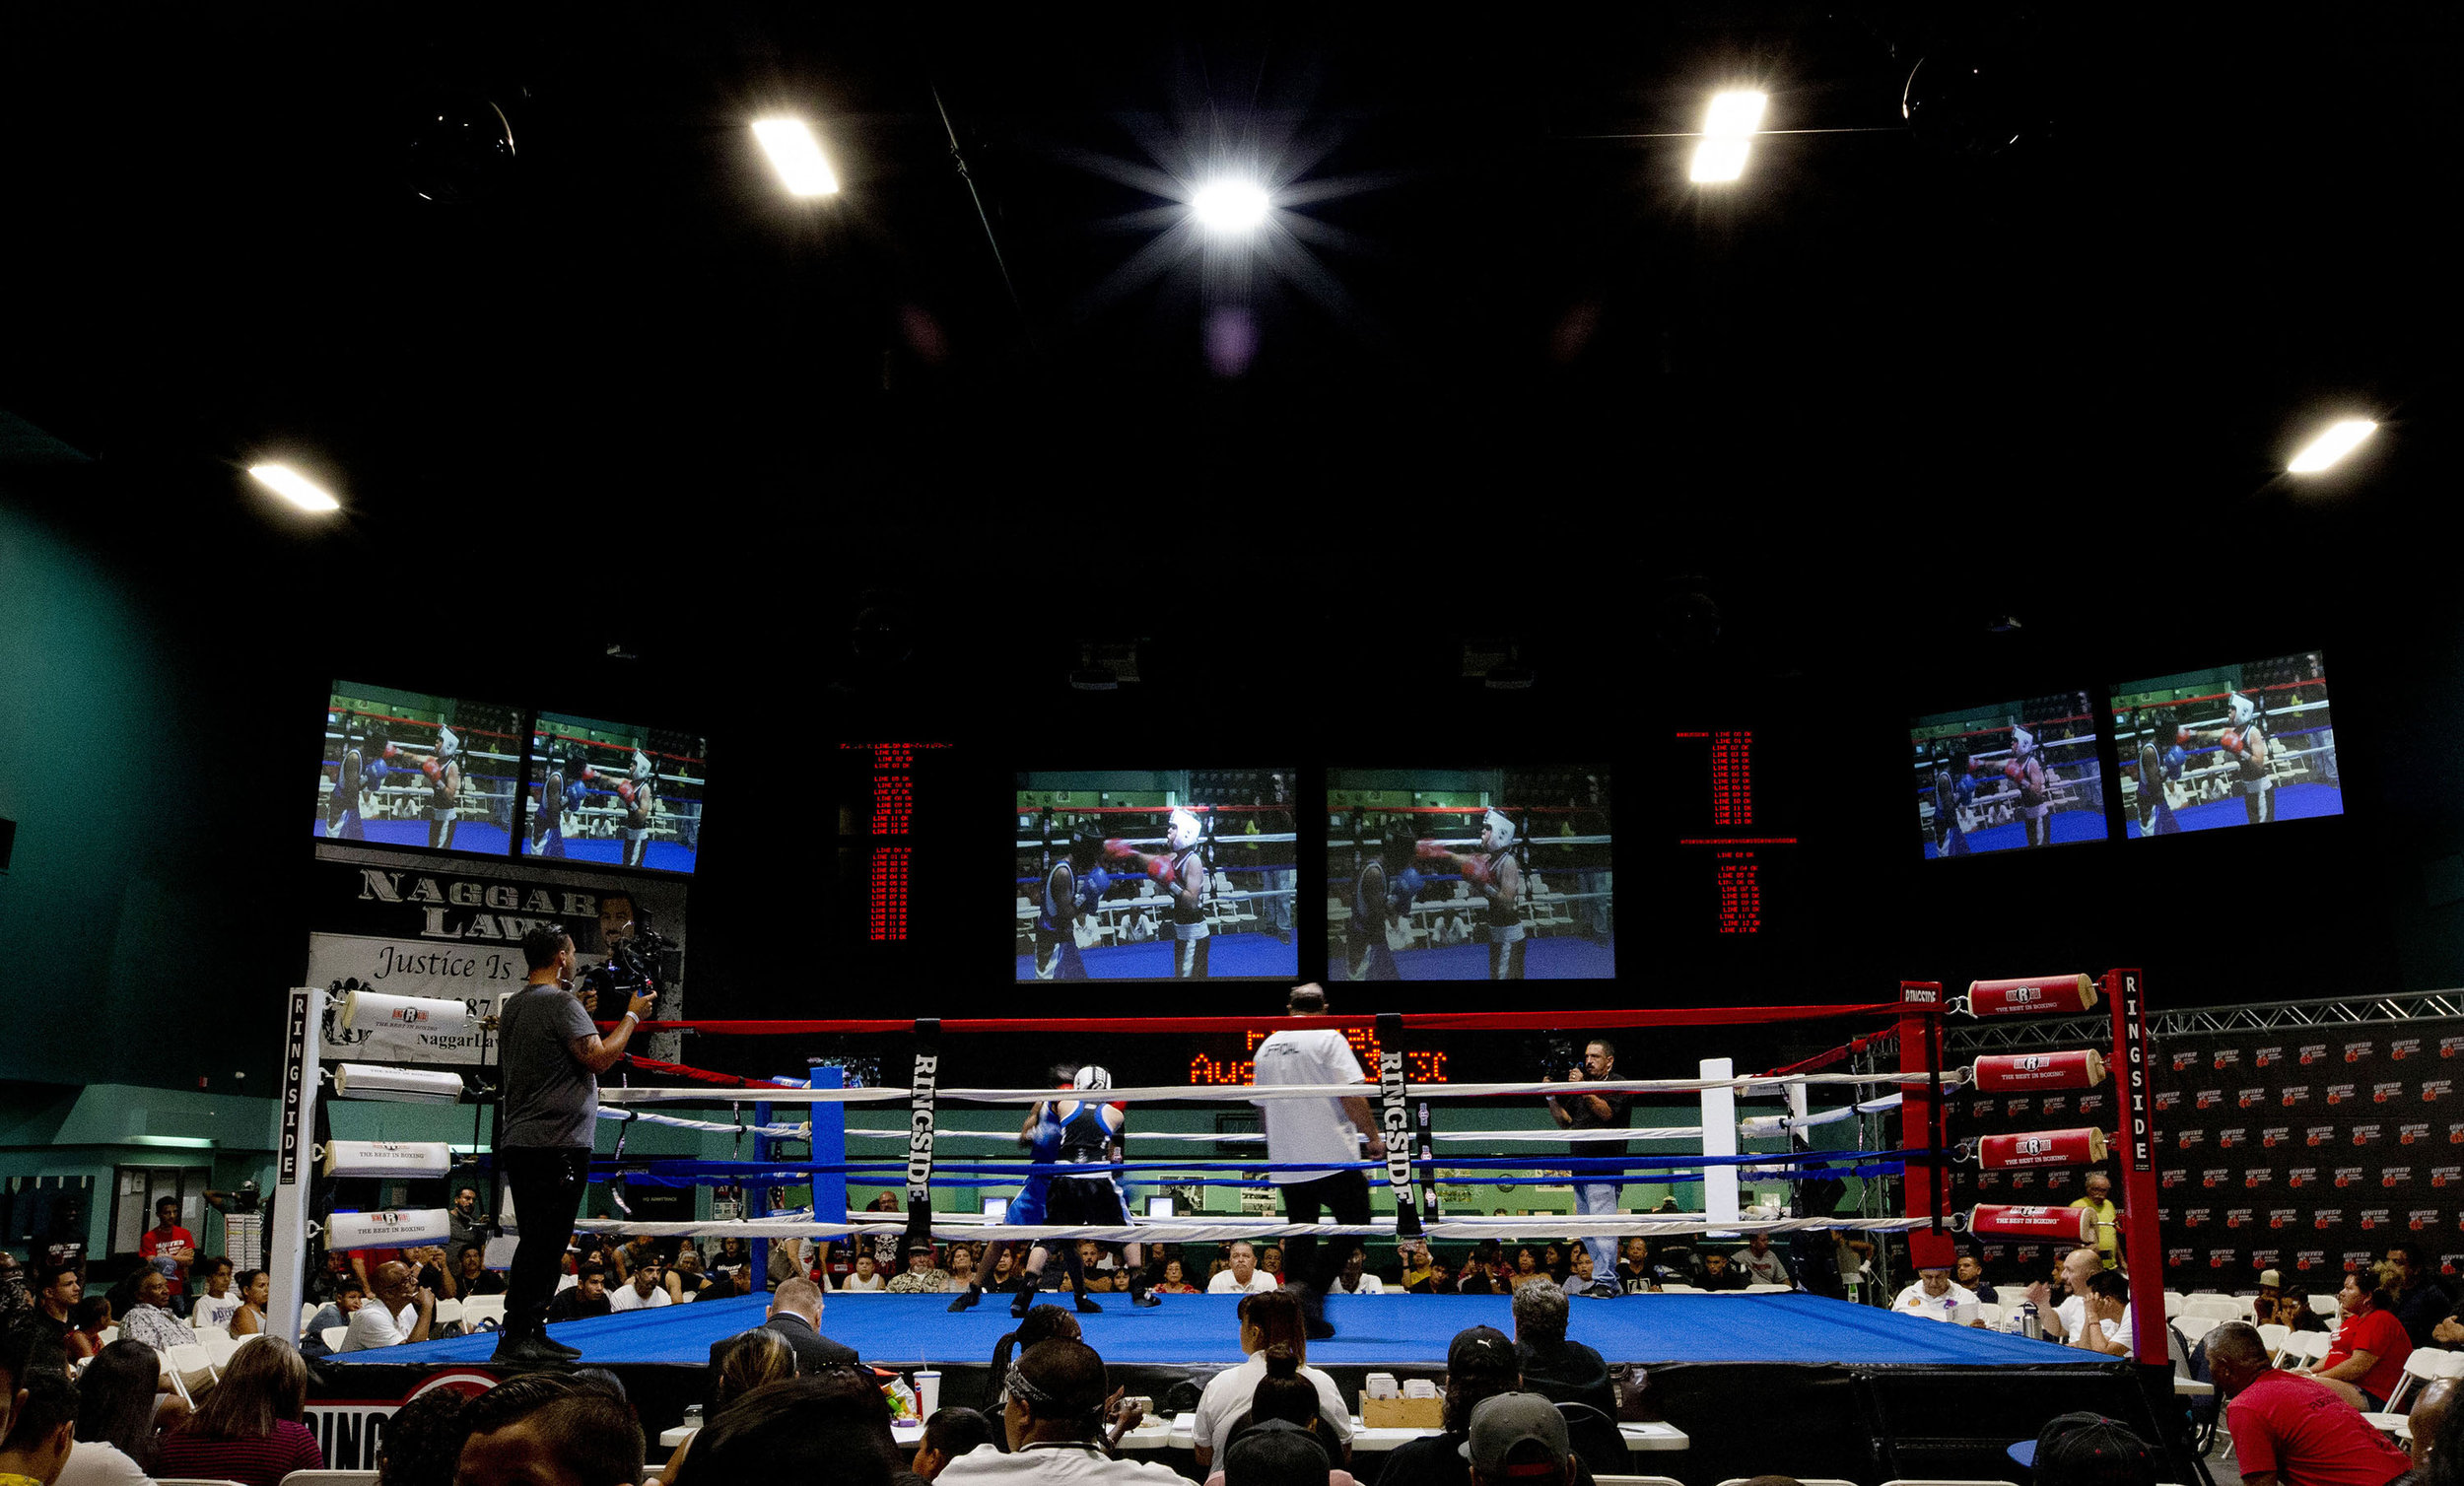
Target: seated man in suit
[{"x": 796, "y": 1313}]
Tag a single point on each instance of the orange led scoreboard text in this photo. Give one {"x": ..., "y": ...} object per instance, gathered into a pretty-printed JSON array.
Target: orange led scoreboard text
[
  {"x": 1422, "y": 1067},
  {"x": 1737, "y": 861},
  {"x": 892, "y": 822}
]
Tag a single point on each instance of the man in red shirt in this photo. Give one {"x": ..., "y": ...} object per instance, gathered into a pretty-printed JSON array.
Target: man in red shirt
[
  {"x": 2291, "y": 1429},
  {"x": 166, "y": 1247},
  {"x": 2367, "y": 1360}
]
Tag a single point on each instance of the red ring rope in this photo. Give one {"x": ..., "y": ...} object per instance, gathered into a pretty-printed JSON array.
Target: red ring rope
[{"x": 1426, "y": 1021}]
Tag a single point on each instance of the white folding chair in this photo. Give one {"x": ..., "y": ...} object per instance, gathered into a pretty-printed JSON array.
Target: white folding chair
[
  {"x": 193, "y": 1482},
  {"x": 2222, "y": 1307},
  {"x": 332, "y": 1337},
  {"x": 689, "y": 1297},
  {"x": 2174, "y": 1299},
  {"x": 2322, "y": 1304},
  {"x": 330, "y": 1478},
  {"x": 2193, "y": 1327},
  {"x": 2425, "y": 1366},
  {"x": 1801, "y": 1481},
  {"x": 308, "y": 1312},
  {"x": 1637, "y": 1481},
  {"x": 191, "y": 1364},
  {"x": 1675, "y": 1290},
  {"x": 1990, "y": 1314},
  {"x": 446, "y": 1310},
  {"x": 2272, "y": 1336}
]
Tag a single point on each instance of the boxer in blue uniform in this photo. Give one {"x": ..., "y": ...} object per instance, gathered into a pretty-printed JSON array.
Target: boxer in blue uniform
[
  {"x": 1090, "y": 1135},
  {"x": 562, "y": 791},
  {"x": 2158, "y": 770},
  {"x": 1954, "y": 796},
  {"x": 1040, "y": 1138},
  {"x": 1498, "y": 875},
  {"x": 343, "y": 821},
  {"x": 1057, "y": 956}
]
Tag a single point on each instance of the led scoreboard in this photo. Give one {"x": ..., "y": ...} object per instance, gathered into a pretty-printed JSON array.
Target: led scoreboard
[
  {"x": 1733, "y": 857},
  {"x": 1423, "y": 1066}
]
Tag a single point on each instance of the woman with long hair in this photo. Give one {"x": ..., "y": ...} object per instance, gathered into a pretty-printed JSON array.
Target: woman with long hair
[
  {"x": 1269, "y": 1319},
  {"x": 115, "y": 1416},
  {"x": 247, "y": 1429},
  {"x": 1042, "y": 1323},
  {"x": 752, "y": 1360},
  {"x": 1284, "y": 1396},
  {"x": 255, "y": 1291},
  {"x": 1526, "y": 1270}
]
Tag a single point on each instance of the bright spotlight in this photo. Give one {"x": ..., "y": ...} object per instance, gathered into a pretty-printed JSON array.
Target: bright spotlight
[
  {"x": 791, "y": 148},
  {"x": 294, "y": 487},
  {"x": 1731, "y": 120},
  {"x": 1230, "y": 205},
  {"x": 2331, "y": 445}
]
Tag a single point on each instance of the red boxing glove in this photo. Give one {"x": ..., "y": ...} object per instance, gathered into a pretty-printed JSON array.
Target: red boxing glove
[
  {"x": 2231, "y": 742},
  {"x": 588, "y": 774},
  {"x": 2181, "y": 737},
  {"x": 1475, "y": 871},
  {"x": 1160, "y": 868},
  {"x": 431, "y": 768},
  {"x": 1116, "y": 847},
  {"x": 2013, "y": 770},
  {"x": 624, "y": 790},
  {"x": 390, "y": 751},
  {"x": 1429, "y": 851}
]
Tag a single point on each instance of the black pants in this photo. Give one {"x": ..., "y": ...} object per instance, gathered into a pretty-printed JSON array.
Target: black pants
[
  {"x": 547, "y": 1182},
  {"x": 1346, "y": 1195}
]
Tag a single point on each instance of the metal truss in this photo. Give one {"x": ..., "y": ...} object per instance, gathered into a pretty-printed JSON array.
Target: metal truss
[{"x": 2008, "y": 1033}]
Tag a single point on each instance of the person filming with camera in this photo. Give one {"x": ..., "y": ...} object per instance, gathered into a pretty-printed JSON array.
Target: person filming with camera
[{"x": 552, "y": 1055}]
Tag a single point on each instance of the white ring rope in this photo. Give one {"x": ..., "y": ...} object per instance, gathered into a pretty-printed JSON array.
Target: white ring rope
[
  {"x": 945, "y": 1225},
  {"x": 774, "y": 1132},
  {"x": 1242, "y": 1092},
  {"x": 900, "y": 1133}
]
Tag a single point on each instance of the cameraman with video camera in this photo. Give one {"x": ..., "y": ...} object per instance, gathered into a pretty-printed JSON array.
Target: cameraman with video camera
[{"x": 551, "y": 1055}]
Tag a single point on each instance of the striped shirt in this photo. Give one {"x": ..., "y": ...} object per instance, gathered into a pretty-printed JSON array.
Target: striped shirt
[{"x": 251, "y": 1463}]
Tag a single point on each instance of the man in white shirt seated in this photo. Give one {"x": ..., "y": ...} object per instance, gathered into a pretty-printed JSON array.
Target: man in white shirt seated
[
  {"x": 151, "y": 1321},
  {"x": 401, "y": 1310},
  {"x": 1054, "y": 1422},
  {"x": 646, "y": 1291},
  {"x": 1933, "y": 1295},
  {"x": 2062, "y": 1323},
  {"x": 1355, "y": 1278},
  {"x": 1244, "y": 1277}
]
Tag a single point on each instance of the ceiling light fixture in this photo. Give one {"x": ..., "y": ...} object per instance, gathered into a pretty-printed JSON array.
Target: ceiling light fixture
[
  {"x": 1230, "y": 204},
  {"x": 294, "y": 487},
  {"x": 2339, "y": 441},
  {"x": 1727, "y": 124},
  {"x": 791, "y": 148}
]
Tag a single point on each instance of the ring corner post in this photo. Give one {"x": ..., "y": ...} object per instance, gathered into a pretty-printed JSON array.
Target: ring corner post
[
  {"x": 1393, "y": 1119},
  {"x": 2143, "y": 1246},
  {"x": 921, "y": 1116},
  {"x": 1921, "y": 1123},
  {"x": 286, "y": 1224}
]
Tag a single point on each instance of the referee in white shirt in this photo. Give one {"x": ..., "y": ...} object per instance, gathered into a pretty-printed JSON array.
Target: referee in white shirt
[{"x": 1303, "y": 1130}]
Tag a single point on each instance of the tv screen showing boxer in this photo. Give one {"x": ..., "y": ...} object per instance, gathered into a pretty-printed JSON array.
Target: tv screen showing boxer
[
  {"x": 2008, "y": 777},
  {"x": 613, "y": 792},
  {"x": 1469, "y": 874},
  {"x": 1169, "y": 874},
  {"x": 405, "y": 768},
  {"x": 2237, "y": 745}
]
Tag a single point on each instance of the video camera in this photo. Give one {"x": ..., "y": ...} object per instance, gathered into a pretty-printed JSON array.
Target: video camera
[{"x": 632, "y": 968}]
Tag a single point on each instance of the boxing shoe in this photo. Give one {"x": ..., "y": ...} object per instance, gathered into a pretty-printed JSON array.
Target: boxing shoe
[
  {"x": 967, "y": 1301},
  {"x": 531, "y": 1351},
  {"x": 1087, "y": 1303},
  {"x": 1019, "y": 1303}
]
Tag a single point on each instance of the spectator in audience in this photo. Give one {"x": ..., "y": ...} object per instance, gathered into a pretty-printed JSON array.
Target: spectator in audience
[
  {"x": 1717, "y": 1275},
  {"x": 866, "y": 1275},
  {"x": 422, "y": 1444},
  {"x": 1933, "y": 1295},
  {"x": 833, "y": 1426},
  {"x": 2271, "y": 1288},
  {"x": 2413, "y": 1282},
  {"x": 115, "y": 1415},
  {"x": 472, "y": 1277},
  {"x": 1270, "y": 1259},
  {"x": 1553, "y": 1262},
  {"x": 1760, "y": 1263},
  {"x": 2293, "y": 1311},
  {"x": 1414, "y": 1274},
  {"x": 1635, "y": 1266},
  {"x": 465, "y": 1225},
  {"x": 922, "y": 1276},
  {"x": 42, "y": 1430},
  {"x": 1284, "y": 1401},
  {"x": 1478, "y": 1278},
  {"x": 328, "y": 1282},
  {"x": 2109, "y": 1328},
  {"x": 1355, "y": 1278},
  {"x": 246, "y": 1427},
  {"x": 1243, "y": 1276},
  {"x": 150, "y": 1321},
  {"x": 1479, "y": 1365},
  {"x": 1054, "y": 1418},
  {"x": 1526, "y": 1270},
  {"x": 58, "y": 1290},
  {"x": 400, "y": 1311},
  {"x": 220, "y": 1302},
  {"x": 2084, "y": 1448},
  {"x": 1971, "y": 1276},
  {"x": 350, "y": 1296},
  {"x": 1518, "y": 1439},
  {"x": 550, "y": 1429},
  {"x": 1441, "y": 1276},
  {"x": 947, "y": 1435},
  {"x": 1277, "y": 1456},
  {"x": 2427, "y": 1416},
  {"x": 1571, "y": 1372},
  {"x": 738, "y": 1365},
  {"x": 734, "y": 1259},
  {"x": 962, "y": 1267},
  {"x": 2063, "y": 1320},
  {"x": 87, "y": 1322},
  {"x": 1042, "y": 1323},
  {"x": 256, "y": 1288},
  {"x": 1270, "y": 1319},
  {"x": 796, "y": 1309},
  {"x": 585, "y": 1297},
  {"x": 167, "y": 1248},
  {"x": 2368, "y": 1358},
  {"x": 633, "y": 1254},
  {"x": 1175, "y": 1280},
  {"x": 1579, "y": 1275},
  {"x": 646, "y": 1289},
  {"x": 2100, "y": 1200},
  {"x": 2290, "y": 1429}
]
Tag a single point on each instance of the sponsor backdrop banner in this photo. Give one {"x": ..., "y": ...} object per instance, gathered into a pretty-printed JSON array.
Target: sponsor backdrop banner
[
  {"x": 408, "y": 925},
  {"x": 2304, "y": 1149}
]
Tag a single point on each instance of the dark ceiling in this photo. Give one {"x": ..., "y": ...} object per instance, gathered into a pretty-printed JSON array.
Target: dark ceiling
[{"x": 1508, "y": 362}]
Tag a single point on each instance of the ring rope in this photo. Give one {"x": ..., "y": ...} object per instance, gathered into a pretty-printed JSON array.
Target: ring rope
[
  {"x": 1413, "y": 1021},
  {"x": 944, "y": 1226},
  {"x": 716, "y": 1127},
  {"x": 902, "y": 1133},
  {"x": 1216, "y": 1094}
]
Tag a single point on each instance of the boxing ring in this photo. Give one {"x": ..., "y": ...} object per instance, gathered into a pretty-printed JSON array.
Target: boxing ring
[{"x": 1830, "y": 1369}]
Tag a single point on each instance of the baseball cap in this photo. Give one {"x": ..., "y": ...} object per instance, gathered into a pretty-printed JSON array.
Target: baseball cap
[
  {"x": 2085, "y": 1448},
  {"x": 1482, "y": 1349},
  {"x": 2271, "y": 1280},
  {"x": 919, "y": 1247},
  {"x": 1501, "y": 1425}
]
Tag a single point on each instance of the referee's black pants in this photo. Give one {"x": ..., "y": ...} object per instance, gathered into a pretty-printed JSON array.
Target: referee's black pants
[
  {"x": 1345, "y": 1194},
  {"x": 547, "y": 1184}
]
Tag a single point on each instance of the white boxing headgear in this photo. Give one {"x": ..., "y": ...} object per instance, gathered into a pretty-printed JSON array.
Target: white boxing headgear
[
  {"x": 448, "y": 745},
  {"x": 2242, "y": 709},
  {"x": 1496, "y": 824},
  {"x": 2023, "y": 742},
  {"x": 640, "y": 764},
  {"x": 1180, "y": 827},
  {"x": 1092, "y": 1079}
]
